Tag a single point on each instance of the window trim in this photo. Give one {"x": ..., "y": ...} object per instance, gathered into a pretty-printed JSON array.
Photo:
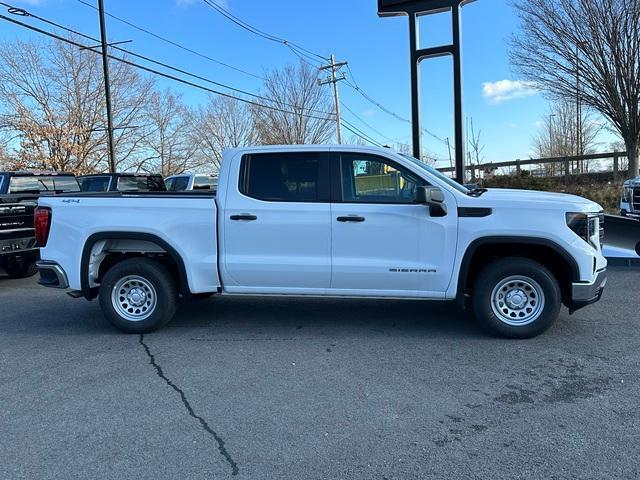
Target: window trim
[
  {"x": 323, "y": 194},
  {"x": 338, "y": 185}
]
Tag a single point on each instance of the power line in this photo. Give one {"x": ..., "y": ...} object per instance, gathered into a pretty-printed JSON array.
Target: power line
[
  {"x": 175, "y": 44},
  {"x": 354, "y": 84},
  {"x": 378, "y": 132},
  {"x": 301, "y": 51},
  {"x": 359, "y": 133},
  {"x": 153, "y": 71},
  {"x": 156, "y": 62}
]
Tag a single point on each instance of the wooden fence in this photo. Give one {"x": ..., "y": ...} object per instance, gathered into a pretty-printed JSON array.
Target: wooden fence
[{"x": 565, "y": 162}]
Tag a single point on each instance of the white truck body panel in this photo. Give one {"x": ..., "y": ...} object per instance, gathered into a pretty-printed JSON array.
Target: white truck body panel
[{"x": 187, "y": 224}]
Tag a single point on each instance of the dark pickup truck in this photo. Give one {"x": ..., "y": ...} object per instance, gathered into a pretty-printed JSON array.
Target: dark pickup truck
[{"x": 19, "y": 193}]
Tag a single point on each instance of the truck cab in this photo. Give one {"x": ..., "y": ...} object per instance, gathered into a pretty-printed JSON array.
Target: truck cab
[
  {"x": 336, "y": 221},
  {"x": 630, "y": 202}
]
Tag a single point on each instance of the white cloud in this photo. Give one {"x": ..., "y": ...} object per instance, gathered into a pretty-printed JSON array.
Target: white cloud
[
  {"x": 505, "y": 90},
  {"x": 369, "y": 113}
]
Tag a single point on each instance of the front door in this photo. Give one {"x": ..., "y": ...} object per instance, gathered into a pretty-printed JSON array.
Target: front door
[
  {"x": 277, "y": 231},
  {"x": 383, "y": 244}
]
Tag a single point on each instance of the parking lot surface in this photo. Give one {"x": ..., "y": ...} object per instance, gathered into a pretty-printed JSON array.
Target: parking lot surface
[{"x": 316, "y": 389}]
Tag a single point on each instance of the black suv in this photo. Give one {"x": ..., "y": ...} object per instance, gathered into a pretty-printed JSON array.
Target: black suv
[
  {"x": 19, "y": 192},
  {"x": 122, "y": 182}
]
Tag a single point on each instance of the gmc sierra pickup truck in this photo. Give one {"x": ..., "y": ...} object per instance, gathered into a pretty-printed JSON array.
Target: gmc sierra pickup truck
[
  {"x": 19, "y": 192},
  {"x": 332, "y": 221}
]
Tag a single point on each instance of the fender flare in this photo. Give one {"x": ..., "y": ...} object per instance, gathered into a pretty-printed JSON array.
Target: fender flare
[
  {"x": 90, "y": 293},
  {"x": 463, "y": 274}
]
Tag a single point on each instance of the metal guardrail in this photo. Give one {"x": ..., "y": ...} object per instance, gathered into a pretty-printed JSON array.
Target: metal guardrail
[{"x": 565, "y": 161}]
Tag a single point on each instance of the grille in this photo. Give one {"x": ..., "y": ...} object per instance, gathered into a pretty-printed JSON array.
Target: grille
[
  {"x": 601, "y": 223},
  {"x": 635, "y": 199}
]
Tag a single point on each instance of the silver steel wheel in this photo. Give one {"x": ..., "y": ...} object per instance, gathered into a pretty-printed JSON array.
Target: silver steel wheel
[
  {"x": 134, "y": 298},
  {"x": 517, "y": 300}
]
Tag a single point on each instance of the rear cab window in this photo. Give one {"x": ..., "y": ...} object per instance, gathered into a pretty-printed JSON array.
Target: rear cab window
[
  {"x": 178, "y": 184},
  {"x": 285, "y": 177},
  {"x": 95, "y": 184},
  {"x": 40, "y": 184},
  {"x": 202, "y": 182},
  {"x": 140, "y": 183}
]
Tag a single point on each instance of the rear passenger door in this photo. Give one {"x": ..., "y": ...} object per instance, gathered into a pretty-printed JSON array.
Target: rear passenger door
[{"x": 277, "y": 230}]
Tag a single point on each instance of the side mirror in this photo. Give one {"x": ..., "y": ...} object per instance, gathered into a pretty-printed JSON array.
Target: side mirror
[{"x": 434, "y": 198}]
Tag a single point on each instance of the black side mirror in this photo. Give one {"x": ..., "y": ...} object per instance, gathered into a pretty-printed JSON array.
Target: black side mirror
[{"x": 434, "y": 198}]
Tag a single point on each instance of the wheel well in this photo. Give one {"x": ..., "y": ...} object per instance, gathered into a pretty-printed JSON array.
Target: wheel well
[
  {"x": 546, "y": 255},
  {"x": 113, "y": 258},
  {"x": 103, "y": 251}
]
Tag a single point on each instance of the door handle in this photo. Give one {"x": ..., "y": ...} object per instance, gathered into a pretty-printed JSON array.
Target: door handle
[
  {"x": 351, "y": 218},
  {"x": 245, "y": 216}
]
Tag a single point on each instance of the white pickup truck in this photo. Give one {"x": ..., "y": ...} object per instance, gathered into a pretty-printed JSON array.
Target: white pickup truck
[{"x": 327, "y": 221}]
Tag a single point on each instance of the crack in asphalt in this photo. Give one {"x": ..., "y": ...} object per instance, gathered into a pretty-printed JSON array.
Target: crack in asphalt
[{"x": 221, "y": 444}]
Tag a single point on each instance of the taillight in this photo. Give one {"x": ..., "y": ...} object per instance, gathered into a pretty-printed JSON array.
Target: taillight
[{"x": 42, "y": 222}]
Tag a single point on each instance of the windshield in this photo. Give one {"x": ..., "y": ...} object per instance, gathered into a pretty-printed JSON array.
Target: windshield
[{"x": 439, "y": 175}]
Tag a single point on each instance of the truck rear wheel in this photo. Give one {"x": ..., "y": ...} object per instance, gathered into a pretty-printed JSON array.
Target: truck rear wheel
[
  {"x": 516, "y": 298},
  {"x": 138, "y": 295}
]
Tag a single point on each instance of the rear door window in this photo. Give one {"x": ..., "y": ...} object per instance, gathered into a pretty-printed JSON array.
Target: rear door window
[{"x": 282, "y": 177}]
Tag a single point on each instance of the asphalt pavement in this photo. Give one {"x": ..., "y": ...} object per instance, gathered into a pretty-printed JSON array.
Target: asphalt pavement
[{"x": 252, "y": 388}]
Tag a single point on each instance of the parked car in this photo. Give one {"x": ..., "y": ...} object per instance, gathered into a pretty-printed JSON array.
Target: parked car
[
  {"x": 191, "y": 181},
  {"x": 122, "y": 182},
  {"x": 328, "y": 221},
  {"x": 19, "y": 192},
  {"x": 630, "y": 203}
]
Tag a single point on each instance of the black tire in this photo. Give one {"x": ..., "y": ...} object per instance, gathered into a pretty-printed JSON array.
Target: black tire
[
  {"x": 511, "y": 275},
  {"x": 21, "y": 270},
  {"x": 145, "y": 278}
]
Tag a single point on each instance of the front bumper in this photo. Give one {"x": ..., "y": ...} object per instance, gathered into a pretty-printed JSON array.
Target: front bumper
[
  {"x": 586, "y": 293},
  {"x": 52, "y": 275}
]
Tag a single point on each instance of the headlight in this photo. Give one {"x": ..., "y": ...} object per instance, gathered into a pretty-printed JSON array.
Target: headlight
[
  {"x": 627, "y": 194},
  {"x": 589, "y": 227}
]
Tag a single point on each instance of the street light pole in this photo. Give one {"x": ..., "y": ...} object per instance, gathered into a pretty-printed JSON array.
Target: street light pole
[{"x": 107, "y": 87}]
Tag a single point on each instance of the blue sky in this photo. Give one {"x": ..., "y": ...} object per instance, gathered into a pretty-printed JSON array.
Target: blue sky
[{"x": 506, "y": 110}]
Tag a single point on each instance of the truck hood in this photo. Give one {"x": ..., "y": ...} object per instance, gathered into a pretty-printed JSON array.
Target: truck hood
[{"x": 496, "y": 197}]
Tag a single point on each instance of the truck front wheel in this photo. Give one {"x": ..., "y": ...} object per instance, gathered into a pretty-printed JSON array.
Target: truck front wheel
[
  {"x": 138, "y": 295},
  {"x": 516, "y": 298}
]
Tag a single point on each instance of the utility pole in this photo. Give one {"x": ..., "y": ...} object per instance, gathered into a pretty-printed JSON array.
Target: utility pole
[
  {"x": 107, "y": 87},
  {"x": 334, "y": 79}
]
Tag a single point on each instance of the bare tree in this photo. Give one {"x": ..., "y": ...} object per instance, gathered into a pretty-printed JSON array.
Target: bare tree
[
  {"x": 476, "y": 149},
  {"x": 222, "y": 123},
  {"x": 558, "y": 135},
  {"x": 52, "y": 104},
  {"x": 167, "y": 139},
  {"x": 588, "y": 49},
  {"x": 298, "y": 108}
]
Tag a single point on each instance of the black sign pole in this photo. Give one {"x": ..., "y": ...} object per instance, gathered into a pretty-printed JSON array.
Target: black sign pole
[
  {"x": 415, "y": 87},
  {"x": 415, "y": 8},
  {"x": 457, "y": 95}
]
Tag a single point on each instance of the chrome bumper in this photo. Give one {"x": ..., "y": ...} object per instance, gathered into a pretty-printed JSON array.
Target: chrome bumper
[
  {"x": 52, "y": 275},
  {"x": 583, "y": 294}
]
